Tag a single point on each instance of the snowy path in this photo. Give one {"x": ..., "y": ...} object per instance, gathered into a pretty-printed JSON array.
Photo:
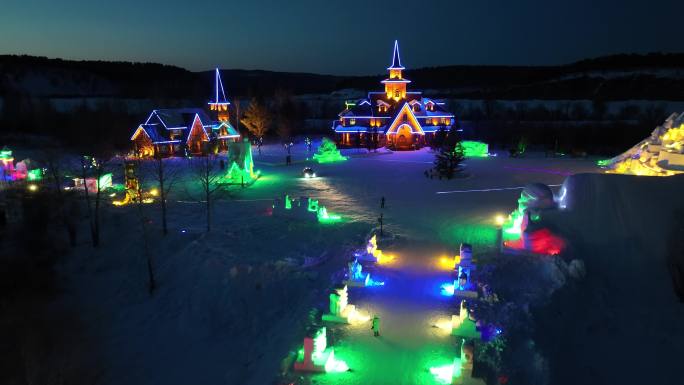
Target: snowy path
[
  {"x": 409, "y": 305},
  {"x": 433, "y": 217},
  {"x": 211, "y": 286}
]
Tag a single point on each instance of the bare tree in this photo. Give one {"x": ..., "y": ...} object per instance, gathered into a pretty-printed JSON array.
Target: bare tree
[
  {"x": 53, "y": 161},
  {"x": 257, "y": 119},
  {"x": 97, "y": 165},
  {"x": 147, "y": 254},
  {"x": 208, "y": 174},
  {"x": 166, "y": 181}
]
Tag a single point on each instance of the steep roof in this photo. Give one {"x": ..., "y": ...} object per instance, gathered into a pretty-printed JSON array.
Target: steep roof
[
  {"x": 219, "y": 96},
  {"x": 178, "y": 117},
  {"x": 396, "y": 60},
  {"x": 362, "y": 108}
]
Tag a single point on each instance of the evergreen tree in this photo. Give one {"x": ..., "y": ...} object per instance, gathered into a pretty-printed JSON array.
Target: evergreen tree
[
  {"x": 438, "y": 139},
  {"x": 450, "y": 155}
]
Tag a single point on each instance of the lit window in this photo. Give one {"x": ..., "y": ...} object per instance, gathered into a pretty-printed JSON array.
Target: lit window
[
  {"x": 396, "y": 92},
  {"x": 352, "y": 121}
]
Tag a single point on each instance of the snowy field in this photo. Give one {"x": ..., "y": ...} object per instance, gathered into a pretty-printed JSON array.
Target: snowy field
[{"x": 231, "y": 304}]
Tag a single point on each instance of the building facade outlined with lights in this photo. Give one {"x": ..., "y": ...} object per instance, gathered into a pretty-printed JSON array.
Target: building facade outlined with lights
[
  {"x": 397, "y": 118},
  {"x": 167, "y": 132}
]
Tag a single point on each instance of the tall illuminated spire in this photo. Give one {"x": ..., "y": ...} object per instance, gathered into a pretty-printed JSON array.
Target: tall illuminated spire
[
  {"x": 220, "y": 102},
  {"x": 396, "y": 60},
  {"x": 219, "y": 93}
]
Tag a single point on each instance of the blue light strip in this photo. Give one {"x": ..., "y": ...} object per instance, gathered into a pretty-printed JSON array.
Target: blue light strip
[
  {"x": 395, "y": 58},
  {"x": 160, "y": 119},
  {"x": 193, "y": 125},
  {"x": 365, "y": 117},
  {"x": 149, "y": 117},
  {"x": 218, "y": 84}
]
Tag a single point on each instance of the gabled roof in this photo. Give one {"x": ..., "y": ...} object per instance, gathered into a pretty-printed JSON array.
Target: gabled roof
[
  {"x": 232, "y": 132},
  {"x": 196, "y": 120},
  {"x": 363, "y": 108},
  {"x": 396, "y": 60},
  {"x": 155, "y": 132},
  {"x": 177, "y": 118},
  {"x": 412, "y": 121}
]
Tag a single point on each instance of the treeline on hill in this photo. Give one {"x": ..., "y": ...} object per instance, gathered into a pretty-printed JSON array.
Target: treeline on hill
[
  {"x": 572, "y": 127},
  {"x": 656, "y": 76},
  {"x": 43, "y": 77}
]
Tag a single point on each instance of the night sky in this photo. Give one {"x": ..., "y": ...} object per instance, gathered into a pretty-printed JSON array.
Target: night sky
[{"x": 339, "y": 37}]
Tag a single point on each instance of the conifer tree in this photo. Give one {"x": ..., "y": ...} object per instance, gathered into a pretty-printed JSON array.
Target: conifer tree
[{"x": 450, "y": 155}]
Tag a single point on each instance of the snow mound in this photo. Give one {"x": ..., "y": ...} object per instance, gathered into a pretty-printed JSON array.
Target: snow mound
[
  {"x": 617, "y": 323},
  {"x": 605, "y": 207},
  {"x": 661, "y": 154}
]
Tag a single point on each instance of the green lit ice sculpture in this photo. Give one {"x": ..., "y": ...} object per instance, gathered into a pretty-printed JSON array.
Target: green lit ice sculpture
[{"x": 328, "y": 152}]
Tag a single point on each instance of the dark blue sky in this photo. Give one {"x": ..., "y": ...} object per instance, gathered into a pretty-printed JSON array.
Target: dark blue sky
[{"x": 338, "y": 37}]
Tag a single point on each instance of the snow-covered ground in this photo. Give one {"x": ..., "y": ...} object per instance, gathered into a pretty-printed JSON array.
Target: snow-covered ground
[{"x": 231, "y": 304}]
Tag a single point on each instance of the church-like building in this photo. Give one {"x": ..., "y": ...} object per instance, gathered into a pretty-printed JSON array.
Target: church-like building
[
  {"x": 397, "y": 118},
  {"x": 185, "y": 131}
]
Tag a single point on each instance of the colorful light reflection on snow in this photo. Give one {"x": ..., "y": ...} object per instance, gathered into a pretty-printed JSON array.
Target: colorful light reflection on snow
[
  {"x": 541, "y": 241},
  {"x": 447, "y": 289},
  {"x": 445, "y": 374}
]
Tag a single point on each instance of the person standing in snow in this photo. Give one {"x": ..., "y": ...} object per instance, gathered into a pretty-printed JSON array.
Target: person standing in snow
[{"x": 375, "y": 327}]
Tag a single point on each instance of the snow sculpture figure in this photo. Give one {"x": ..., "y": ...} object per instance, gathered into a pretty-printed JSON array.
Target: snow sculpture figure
[
  {"x": 465, "y": 252},
  {"x": 340, "y": 309},
  {"x": 355, "y": 274},
  {"x": 316, "y": 356},
  {"x": 464, "y": 324},
  {"x": 524, "y": 231},
  {"x": 464, "y": 285}
]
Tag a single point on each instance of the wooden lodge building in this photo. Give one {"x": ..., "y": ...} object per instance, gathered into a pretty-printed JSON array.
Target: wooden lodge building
[
  {"x": 185, "y": 131},
  {"x": 397, "y": 118}
]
